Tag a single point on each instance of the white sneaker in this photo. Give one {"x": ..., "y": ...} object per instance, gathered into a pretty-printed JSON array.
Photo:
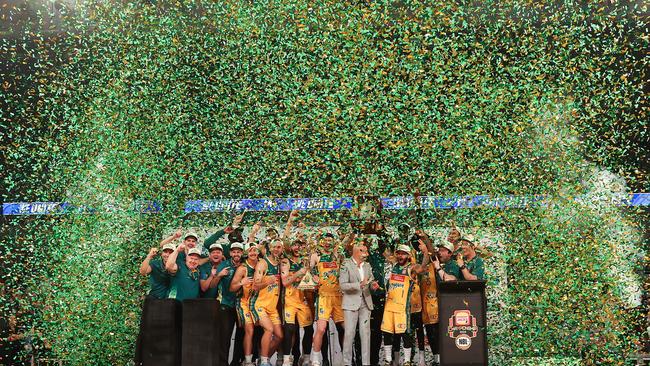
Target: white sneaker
[{"x": 288, "y": 362}]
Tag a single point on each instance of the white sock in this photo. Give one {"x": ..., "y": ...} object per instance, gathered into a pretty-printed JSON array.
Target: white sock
[
  {"x": 248, "y": 358},
  {"x": 287, "y": 358},
  {"x": 264, "y": 359},
  {"x": 389, "y": 353},
  {"x": 421, "y": 356},
  {"x": 436, "y": 358},
  {"x": 407, "y": 355},
  {"x": 316, "y": 357}
]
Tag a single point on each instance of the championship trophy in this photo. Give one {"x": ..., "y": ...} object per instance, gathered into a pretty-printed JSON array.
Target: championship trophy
[
  {"x": 307, "y": 282},
  {"x": 366, "y": 215}
]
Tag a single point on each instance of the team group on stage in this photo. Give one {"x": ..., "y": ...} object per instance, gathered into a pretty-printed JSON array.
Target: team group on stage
[{"x": 385, "y": 293}]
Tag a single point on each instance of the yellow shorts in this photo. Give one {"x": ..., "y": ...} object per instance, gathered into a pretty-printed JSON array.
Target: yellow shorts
[
  {"x": 395, "y": 323},
  {"x": 430, "y": 312},
  {"x": 301, "y": 311},
  {"x": 244, "y": 314},
  {"x": 269, "y": 311},
  {"x": 329, "y": 306}
]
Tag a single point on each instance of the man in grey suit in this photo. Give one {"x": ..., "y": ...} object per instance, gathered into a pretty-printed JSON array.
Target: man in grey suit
[{"x": 356, "y": 281}]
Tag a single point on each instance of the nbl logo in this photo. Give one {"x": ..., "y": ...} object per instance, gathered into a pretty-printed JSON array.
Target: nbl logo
[
  {"x": 462, "y": 328},
  {"x": 463, "y": 342}
]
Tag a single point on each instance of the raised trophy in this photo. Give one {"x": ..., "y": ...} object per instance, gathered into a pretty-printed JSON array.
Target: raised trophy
[
  {"x": 307, "y": 282},
  {"x": 366, "y": 215}
]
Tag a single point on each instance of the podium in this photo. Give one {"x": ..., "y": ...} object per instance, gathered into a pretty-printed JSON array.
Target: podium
[
  {"x": 463, "y": 323},
  {"x": 159, "y": 341},
  {"x": 199, "y": 335}
]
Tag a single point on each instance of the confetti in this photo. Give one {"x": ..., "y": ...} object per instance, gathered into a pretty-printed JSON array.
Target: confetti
[{"x": 107, "y": 103}]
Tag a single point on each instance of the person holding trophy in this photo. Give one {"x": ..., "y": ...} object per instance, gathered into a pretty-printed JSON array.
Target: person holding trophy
[
  {"x": 325, "y": 267},
  {"x": 297, "y": 312}
]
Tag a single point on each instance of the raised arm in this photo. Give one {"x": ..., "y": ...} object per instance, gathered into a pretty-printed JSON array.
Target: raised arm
[
  {"x": 221, "y": 232},
  {"x": 171, "y": 238},
  {"x": 254, "y": 230},
  {"x": 145, "y": 267},
  {"x": 171, "y": 265},
  {"x": 419, "y": 268},
  {"x": 383, "y": 241},
  {"x": 348, "y": 242},
  {"x": 425, "y": 238},
  {"x": 287, "y": 229}
]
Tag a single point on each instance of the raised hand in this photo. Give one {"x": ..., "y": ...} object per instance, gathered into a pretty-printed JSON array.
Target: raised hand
[
  {"x": 238, "y": 219},
  {"x": 423, "y": 247},
  {"x": 152, "y": 252},
  {"x": 420, "y": 233},
  {"x": 436, "y": 262}
]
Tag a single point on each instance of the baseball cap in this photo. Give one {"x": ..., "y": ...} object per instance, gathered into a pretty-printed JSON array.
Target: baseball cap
[
  {"x": 447, "y": 245},
  {"x": 196, "y": 251},
  {"x": 191, "y": 233},
  {"x": 468, "y": 238},
  {"x": 237, "y": 245},
  {"x": 216, "y": 246},
  {"x": 403, "y": 248},
  {"x": 169, "y": 246}
]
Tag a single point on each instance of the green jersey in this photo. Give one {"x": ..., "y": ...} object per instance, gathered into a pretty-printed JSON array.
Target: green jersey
[
  {"x": 159, "y": 280},
  {"x": 184, "y": 283},
  {"x": 476, "y": 267}
]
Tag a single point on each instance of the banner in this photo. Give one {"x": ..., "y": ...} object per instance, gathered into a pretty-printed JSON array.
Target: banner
[{"x": 320, "y": 204}]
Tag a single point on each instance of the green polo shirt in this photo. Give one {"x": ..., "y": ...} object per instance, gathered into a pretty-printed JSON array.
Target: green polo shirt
[
  {"x": 451, "y": 268},
  {"x": 184, "y": 283},
  {"x": 205, "y": 271},
  {"x": 476, "y": 267},
  {"x": 159, "y": 280}
]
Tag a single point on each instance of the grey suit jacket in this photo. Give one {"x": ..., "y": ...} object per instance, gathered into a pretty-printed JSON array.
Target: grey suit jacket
[{"x": 350, "y": 285}]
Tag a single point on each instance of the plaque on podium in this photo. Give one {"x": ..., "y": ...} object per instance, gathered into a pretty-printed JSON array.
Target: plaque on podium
[{"x": 462, "y": 309}]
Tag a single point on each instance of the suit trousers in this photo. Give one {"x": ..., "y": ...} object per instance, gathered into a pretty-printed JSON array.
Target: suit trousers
[{"x": 352, "y": 318}]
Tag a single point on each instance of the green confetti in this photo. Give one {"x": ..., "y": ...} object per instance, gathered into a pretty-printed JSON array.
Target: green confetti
[{"x": 106, "y": 103}]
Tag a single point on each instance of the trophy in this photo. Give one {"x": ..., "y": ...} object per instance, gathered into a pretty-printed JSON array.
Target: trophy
[
  {"x": 366, "y": 215},
  {"x": 307, "y": 282}
]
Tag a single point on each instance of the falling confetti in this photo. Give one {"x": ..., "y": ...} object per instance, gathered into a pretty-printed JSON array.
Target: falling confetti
[{"x": 107, "y": 103}]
